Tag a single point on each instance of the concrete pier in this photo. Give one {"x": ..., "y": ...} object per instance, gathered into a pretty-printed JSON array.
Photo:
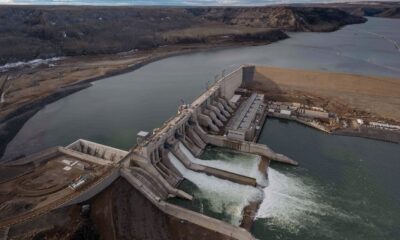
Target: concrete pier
[
  {"x": 154, "y": 173},
  {"x": 222, "y": 109},
  {"x": 233, "y": 177},
  {"x": 195, "y": 138},
  {"x": 217, "y": 111},
  {"x": 244, "y": 146},
  {"x": 225, "y": 104},
  {"x": 193, "y": 148},
  {"x": 213, "y": 117},
  {"x": 206, "y": 121}
]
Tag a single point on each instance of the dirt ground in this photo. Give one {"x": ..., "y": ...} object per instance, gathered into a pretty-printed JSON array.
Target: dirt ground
[
  {"x": 57, "y": 224},
  {"x": 368, "y": 97}
]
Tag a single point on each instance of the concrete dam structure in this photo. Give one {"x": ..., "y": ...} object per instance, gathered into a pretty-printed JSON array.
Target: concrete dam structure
[{"x": 226, "y": 115}]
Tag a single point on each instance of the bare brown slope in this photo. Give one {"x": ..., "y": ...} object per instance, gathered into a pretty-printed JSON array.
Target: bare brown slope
[
  {"x": 377, "y": 95},
  {"x": 369, "y": 9},
  {"x": 288, "y": 18}
]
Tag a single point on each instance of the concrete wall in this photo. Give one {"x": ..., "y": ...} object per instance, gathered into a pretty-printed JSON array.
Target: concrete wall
[
  {"x": 103, "y": 151},
  {"x": 248, "y": 73},
  {"x": 244, "y": 146},
  {"x": 233, "y": 177},
  {"x": 210, "y": 228},
  {"x": 167, "y": 131},
  {"x": 134, "y": 216},
  {"x": 231, "y": 82},
  {"x": 224, "y": 87}
]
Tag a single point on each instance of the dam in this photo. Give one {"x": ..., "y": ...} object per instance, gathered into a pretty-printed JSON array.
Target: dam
[
  {"x": 167, "y": 163},
  {"x": 226, "y": 115},
  {"x": 281, "y": 217}
]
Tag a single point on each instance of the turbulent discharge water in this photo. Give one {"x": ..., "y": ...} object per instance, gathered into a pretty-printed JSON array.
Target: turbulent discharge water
[
  {"x": 292, "y": 204},
  {"x": 223, "y": 196},
  {"x": 243, "y": 164}
]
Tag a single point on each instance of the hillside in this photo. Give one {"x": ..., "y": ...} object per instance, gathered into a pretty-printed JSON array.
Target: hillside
[
  {"x": 368, "y": 9},
  {"x": 48, "y": 31},
  {"x": 105, "y": 41}
]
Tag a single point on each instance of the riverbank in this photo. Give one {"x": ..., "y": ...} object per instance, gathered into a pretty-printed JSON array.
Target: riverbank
[
  {"x": 360, "y": 131},
  {"x": 46, "y": 83},
  {"x": 52, "y": 31},
  {"x": 153, "y": 34},
  {"x": 354, "y": 100},
  {"x": 332, "y": 123}
]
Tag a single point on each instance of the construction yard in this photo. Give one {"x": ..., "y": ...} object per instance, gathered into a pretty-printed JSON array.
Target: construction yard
[{"x": 41, "y": 184}]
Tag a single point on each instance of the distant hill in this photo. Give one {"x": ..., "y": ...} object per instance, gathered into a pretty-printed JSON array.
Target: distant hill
[
  {"x": 29, "y": 32},
  {"x": 369, "y": 9}
]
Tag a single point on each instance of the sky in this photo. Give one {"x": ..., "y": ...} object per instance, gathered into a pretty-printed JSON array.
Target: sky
[{"x": 168, "y": 2}]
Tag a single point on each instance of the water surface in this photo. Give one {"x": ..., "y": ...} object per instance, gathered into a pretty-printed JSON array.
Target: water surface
[
  {"x": 116, "y": 108},
  {"x": 345, "y": 188},
  {"x": 213, "y": 196}
]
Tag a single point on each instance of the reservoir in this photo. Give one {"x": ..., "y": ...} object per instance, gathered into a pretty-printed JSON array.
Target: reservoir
[{"x": 344, "y": 187}]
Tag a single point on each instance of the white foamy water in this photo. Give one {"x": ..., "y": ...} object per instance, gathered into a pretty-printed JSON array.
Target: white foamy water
[
  {"x": 243, "y": 164},
  {"x": 293, "y": 205},
  {"x": 223, "y": 196}
]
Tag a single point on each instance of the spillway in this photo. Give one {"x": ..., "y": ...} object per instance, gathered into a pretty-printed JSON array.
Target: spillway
[
  {"x": 221, "y": 195},
  {"x": 227, "y": 160}
]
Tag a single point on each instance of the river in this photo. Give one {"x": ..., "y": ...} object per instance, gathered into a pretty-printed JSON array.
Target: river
[{"x": 345, "y": 187}]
